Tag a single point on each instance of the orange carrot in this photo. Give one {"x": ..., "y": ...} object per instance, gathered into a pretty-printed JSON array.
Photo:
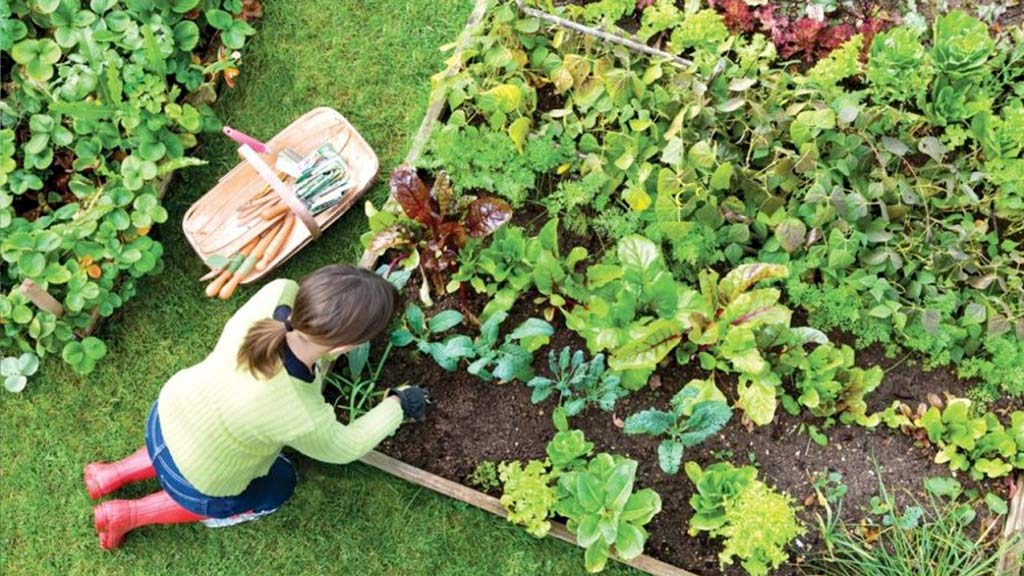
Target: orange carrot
[
  {"x": 243, "y": 271},
  {"x": 274, "y": 211},
  {"x": 278, "y": 243},
  {"x": 214, "y": 287}
]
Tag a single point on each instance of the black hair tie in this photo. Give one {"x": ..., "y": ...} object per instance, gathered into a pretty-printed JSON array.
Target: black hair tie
[{"x": 288, "y": 325}]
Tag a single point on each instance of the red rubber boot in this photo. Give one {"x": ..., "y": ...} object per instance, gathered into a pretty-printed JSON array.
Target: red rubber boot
[
  {"x": 103, "y": 478},
  {"x": 116, "y": 518}
]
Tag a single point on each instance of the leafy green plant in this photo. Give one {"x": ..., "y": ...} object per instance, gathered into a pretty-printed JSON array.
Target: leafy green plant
[
  {"x": 938, "y": 542},
  {"x": 357, "y": 386},
  {"x": 528, "y": 495},
  {"x": 513, "y": 263},
  {"x": 976, "y": 444},
  {"x": 698, "y": 411},
  {"x": 100, "y": 106},
  {"x": 828, "y": 382},
  {"x": 484, "y": 476},
  {"x": 755, "y": 521},
  {"x": 436, "y": 224},
  {"x": 629, "y": 308},
  {"x": 716, "y": 486},
  {"x": 579, "y": 382},
  {"x": 513, "y": 358},
  {"x": 603, "y": 511},
  {"x": 417, "y": 329},
  {"x": 17, "y": 369},
  {"x": 726, "y": 318}
]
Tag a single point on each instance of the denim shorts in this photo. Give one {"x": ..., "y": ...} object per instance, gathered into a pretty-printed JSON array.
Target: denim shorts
[{"x": 262, "y": 494}]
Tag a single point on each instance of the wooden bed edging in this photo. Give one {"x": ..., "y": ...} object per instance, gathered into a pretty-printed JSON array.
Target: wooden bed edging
[
  {"x": 1010, "y": 558},
  {"x": 455, "y": 490}
]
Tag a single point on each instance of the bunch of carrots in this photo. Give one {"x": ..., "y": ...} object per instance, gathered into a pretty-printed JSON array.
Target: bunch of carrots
[{"x": 256, "y": 255}]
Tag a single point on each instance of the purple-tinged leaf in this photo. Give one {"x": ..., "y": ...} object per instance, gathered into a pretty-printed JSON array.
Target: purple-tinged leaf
[
  {"x": 487, "y": 215},
  {"x": 411, "y": 193}
]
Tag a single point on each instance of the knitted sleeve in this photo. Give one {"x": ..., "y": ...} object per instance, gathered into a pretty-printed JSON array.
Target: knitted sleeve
[{"x": 333, "y": 442}]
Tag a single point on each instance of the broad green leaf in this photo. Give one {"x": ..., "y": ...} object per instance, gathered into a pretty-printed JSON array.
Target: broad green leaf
[
  {"x": 619, "y": 485},
  {"x": 507, "y": 97},
  {"x": 708, "y": 419},
  {"x": 589, "y": 492},
  {"x": 588, "y": 532},
  {"x": 722, "y": 176},
  {"x": 518, "y": 130},
  {"x": 629, "y": 541},
  {"x": 651, "y": 421},
  {"x": 757, "y": 400},
  {"x": 596, "y": 556},
  {"x": 445, "y": 320},
  {"x": 641, "y": 507}
]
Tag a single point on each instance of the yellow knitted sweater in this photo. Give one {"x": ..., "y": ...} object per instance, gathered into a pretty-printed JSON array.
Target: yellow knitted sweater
[{"x": 223, "y": 426}]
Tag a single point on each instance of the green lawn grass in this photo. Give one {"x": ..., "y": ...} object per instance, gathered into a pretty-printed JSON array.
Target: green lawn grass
[{"x": 372, "y": 62}]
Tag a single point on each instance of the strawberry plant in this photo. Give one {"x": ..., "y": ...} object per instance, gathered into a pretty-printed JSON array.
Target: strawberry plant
[
  {"x": 698, "y": 411},
  {"x": 101, "y": 102}
]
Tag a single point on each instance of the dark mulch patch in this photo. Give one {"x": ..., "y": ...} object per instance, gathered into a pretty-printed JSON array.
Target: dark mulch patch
[{"x": 473, "y": 421}]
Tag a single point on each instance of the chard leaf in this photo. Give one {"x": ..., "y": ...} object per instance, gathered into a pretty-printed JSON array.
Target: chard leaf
[
  {"x": 744, "y": 276},
  {"x": 757, "y": 400},
  {"x": 411, "y": 193},
  {"x": 650, "y": 346},
  {"x": 487, "y": 215}
]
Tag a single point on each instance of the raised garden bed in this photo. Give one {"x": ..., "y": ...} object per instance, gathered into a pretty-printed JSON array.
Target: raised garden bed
[{"x": 476, "y": 421}]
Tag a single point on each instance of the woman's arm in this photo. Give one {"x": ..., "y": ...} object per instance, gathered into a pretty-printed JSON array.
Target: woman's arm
[{"x": 333, "y": 442}]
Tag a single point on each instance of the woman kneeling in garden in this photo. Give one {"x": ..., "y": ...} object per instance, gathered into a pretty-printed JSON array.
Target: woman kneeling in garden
[{"x": 215, "y": 433}]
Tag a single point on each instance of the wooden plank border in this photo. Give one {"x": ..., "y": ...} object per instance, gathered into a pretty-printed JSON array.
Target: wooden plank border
[
  {"x": 409, "y": 473},
  {"x": 1010, "y": 556}
]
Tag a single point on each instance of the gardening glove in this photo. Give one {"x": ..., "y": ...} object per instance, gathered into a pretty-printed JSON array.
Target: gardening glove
[{"x": 414, "y": 401}]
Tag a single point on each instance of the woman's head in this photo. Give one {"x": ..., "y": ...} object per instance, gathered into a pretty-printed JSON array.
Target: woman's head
[{"x": 336, "y": 306}]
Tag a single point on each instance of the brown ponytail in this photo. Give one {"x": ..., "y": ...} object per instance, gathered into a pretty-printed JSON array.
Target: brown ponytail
[
  {"x": 337, "y": 305},
  {"x": 260, "y": 350}
]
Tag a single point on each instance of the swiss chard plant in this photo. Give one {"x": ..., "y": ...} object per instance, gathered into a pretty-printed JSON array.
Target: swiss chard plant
[
  {"x": 579, "y": 382},
  {"x": 629, "y": 306},
  {"x": 436, "y": 224},
  {"x": 696, "y": 413},
  {"x": 755, "y": 521}
]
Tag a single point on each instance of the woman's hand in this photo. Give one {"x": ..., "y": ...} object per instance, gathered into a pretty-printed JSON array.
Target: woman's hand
[{"x": 413, "y": 400}]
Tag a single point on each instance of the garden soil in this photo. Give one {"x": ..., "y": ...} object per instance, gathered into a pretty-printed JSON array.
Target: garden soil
[{"x": 472, "y": 421}]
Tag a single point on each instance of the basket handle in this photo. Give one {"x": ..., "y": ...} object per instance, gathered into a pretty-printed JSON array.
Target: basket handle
[{"x": 286, "y": 193}]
